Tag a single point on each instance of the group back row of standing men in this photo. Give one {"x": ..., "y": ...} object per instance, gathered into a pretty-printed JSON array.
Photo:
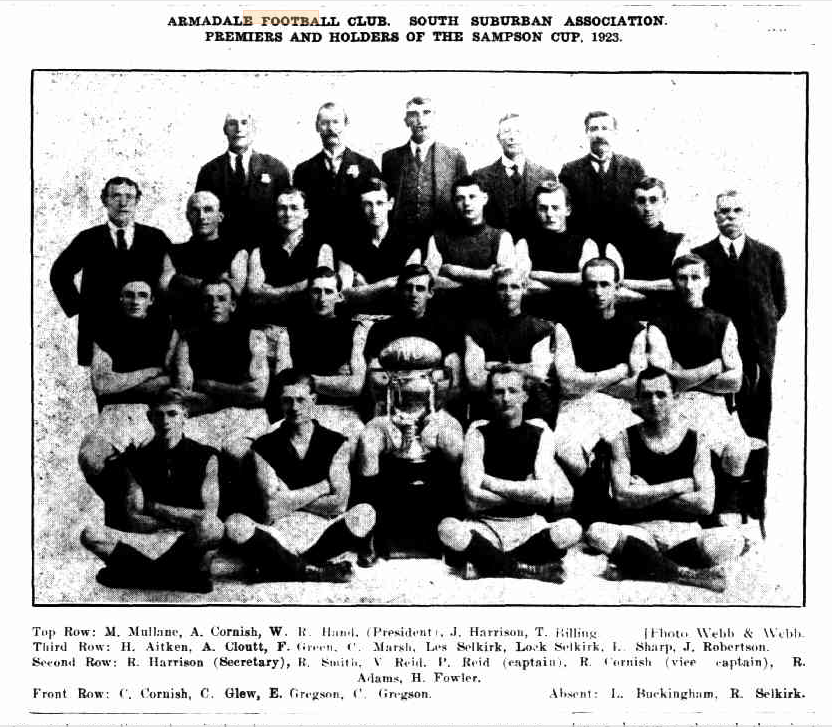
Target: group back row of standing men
[{"x": 255, "y": 291}]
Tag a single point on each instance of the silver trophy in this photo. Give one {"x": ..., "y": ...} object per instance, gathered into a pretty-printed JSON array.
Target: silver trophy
[{"x": 411, "y": 364}]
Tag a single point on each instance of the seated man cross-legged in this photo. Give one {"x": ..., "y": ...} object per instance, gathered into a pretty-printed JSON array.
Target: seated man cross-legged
[
  {"x": 302, "y": 472},
  {"x": 662, "y": 484},
  {"x": 169, "y": 483},
  {"x": 510, "y": 481}
]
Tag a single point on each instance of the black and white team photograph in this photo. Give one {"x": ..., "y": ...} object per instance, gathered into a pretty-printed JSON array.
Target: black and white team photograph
[{"x": 418, "y": 338}]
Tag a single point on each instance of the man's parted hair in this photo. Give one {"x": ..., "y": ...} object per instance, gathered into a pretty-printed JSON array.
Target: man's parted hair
[
  {"x": 646, "y": 183},
  {"x": 418, "y": 101},
  {"x": 374, "y": 184},
  {"x": 292, "y": 377},
  {"x": 726, "y": 193},
  {"x": 508, "y": 117},
  {"x": 654, "y": 372},
  {"x": 600, "y": 262},
  {"x": 503, "y": 369},
  {"x": 324, "y": 271},
  {"x": 598, "y": 114},
  {"x": 115, "y": 182},
  {"x": 218, "y": 280},
  {"x": 690, "y": 259},
  {"x": 503, "y": 271},
  {"x": 170, "y": 395},
  {"x": 328, "y": 106},
  {"x": 413, "y": 271},
  {"x": 549, "y": 186},
  {"x": 467, "y": 180},
  {"x": 290, "y": 191}
]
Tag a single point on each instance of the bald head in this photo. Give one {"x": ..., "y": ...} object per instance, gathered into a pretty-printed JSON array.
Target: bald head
[
  {"x": 239, "y": 130},
  {"x": 204, "y": 215}
]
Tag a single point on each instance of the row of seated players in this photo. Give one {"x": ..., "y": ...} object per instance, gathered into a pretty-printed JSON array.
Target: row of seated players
[
  {"x": 516, "y": 516},
  {"x": 594, "y": 356}
]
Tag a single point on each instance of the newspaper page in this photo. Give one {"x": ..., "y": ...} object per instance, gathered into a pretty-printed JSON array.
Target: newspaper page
[{"x": 703, "y": 123}]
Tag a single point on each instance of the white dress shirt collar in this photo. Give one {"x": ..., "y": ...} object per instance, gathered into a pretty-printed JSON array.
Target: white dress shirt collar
[
  {"x": 425, "y": 147},
  {"x": 509, "y": 164},
  {"x": 129, "y": 232},
  {"x": 739, "y": 244},
  {"x": 232, "y": 160}
]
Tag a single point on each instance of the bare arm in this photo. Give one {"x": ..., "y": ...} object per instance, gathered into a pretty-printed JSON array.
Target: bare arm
[
  {"x": 626, "y": 388},
  {"x": 261, "y": 292},
  {"x": 249, "y": 393},
  {"x": 472, "y": 472},
  {"x": 106, "y": 382},
  {"x": 475, "y": 365},
  {"x": 334, "y": 503},
  {"x": 348, "y": 384},
  {"x": 183, "y": 374},
  {"x": 573, "y": 380},
  {"x": 631, "y": 491},
  {"x": 280, "y": 501},
  {"x": 701, "y": 500},
  {"x": 182, "y": 517},
  {"x": 729, "y": 379}
]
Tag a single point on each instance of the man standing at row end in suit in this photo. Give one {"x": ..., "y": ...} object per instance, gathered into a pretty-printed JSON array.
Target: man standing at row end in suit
[
  {"x": 333, "y": 178},
  {"x": 601, "y": 183},
  {"x": 748, "y": 286},
  {"x": 246, "y": 182},
  {"x": 511, "y": 181},
  {"x": 420, "y": 175},
  {"x": 108, "y": 255}
]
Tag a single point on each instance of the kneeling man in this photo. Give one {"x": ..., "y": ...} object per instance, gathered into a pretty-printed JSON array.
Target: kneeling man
[
  {"x": 662, "y": 484},
  {"x": 510, "y": 482}
]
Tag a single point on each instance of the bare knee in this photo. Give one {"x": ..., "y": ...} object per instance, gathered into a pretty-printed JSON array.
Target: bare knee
[
  {"x": 361, "y": 519},
  {"x": 93, "y": 455},
  {"x": 735, "y": 458},
  {"x": 565, "y": 533},
  {"x": 571, "y": 455},
  {"x": 237, "y": 449},
  {"x": 604, "y": 537},
  {"x": 239, "y": 528},
  {"x": 454, "y": 534},
  {"x": 209, "y": 529},
  {"x": 721, "y": 544}
]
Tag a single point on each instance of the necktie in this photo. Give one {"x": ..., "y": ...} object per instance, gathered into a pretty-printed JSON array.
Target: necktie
[
  {"x": 121, "y": 242},
  {"x": 515, "y": 174},
  {"x": 602, "y": 168},
  {"x": 732, "y": 253},
  {"x": 418, "y": 156},
  {"x": 239, "y": 172},
  {"x": 331, "y": 164}
]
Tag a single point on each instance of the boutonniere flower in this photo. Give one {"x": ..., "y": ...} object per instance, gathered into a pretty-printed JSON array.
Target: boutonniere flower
[
  {"x": 265, "y": 178},
  {"x": 352, "y": 170}
]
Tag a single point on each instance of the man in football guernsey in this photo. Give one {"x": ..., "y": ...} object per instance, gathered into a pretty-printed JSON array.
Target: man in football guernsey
[
  {"x": 509, "y": 337},
  {"x": 552, "y": 255},
  {"x": 465, "y": 254},
  {"x": 415, "y": 318},
  {"x": 598, "y": 354},
  {"x": 222, "y": 365},
  {"x": 206, "y": 256},
  {"x": 302, "y": 472},
  {"x": 330, "y": 348},
  {"x": 511, "y": 485},
  {"x": 130, "y": 364},
  {"x": 165, "y": 486},
  {"x": 279, "y": 268},
  {"x": 698, "y": 348},
  {"x": 374, "y": 258},
  {"x": 662, "y": 483},
  {"x": 648, "y": 249}
]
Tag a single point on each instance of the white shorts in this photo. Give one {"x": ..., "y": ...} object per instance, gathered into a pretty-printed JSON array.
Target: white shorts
[
  {"x": 123, "y": 425},
  {"x": 708, "y": 414},
  {"x": 219, "y": 427},
  {"x": 584, "y": 421},
  {"x": 299, "y": 531},
  {"x": 663, "y": 534},
  {"x": 507, "y": 533}
]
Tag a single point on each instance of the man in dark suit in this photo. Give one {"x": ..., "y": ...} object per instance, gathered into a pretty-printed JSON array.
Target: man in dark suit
[
  {"x": 333, "y": 178},
  {"x": 107, "y": 255},
  {"x": 246, "y": 183},
  {"x": 420, "y": 174},
  {"x": 511, "y": 181},
  {"x": 601, "y": 183},
  {"x": 748, "y": 286}
]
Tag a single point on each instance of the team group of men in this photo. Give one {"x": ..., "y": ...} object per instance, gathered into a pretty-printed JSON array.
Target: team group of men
[{"x": 551, "y": 362}]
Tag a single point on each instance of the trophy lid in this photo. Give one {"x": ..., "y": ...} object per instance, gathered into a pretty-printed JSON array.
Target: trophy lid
[{"x": 409, "y": 354}]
